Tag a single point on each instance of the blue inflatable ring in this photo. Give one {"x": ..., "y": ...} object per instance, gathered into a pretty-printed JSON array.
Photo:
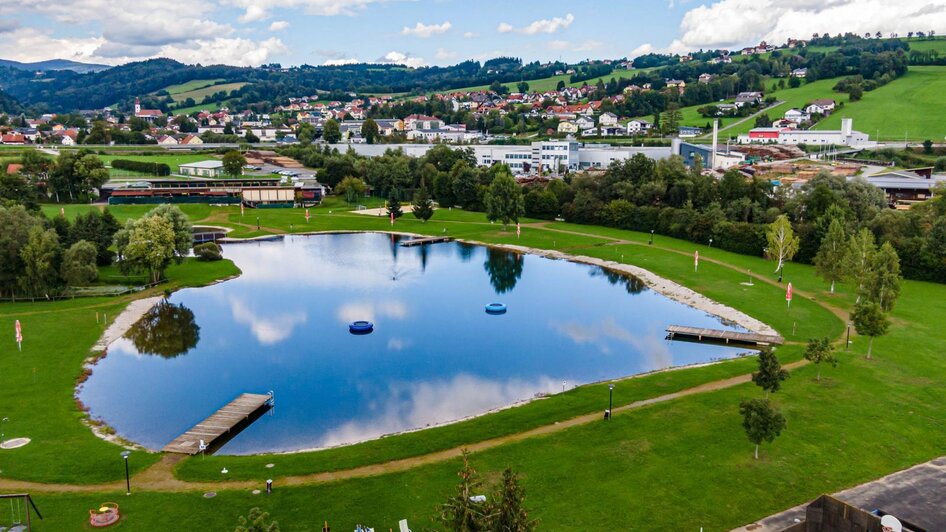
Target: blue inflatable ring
[
  {"x": 360, "y": 327},
  {"x": 496, "y": 308}
]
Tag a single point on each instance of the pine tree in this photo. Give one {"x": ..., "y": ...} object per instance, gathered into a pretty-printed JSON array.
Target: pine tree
[
  {"x": 461, "y": 514},
  {"x": 511, "y": 514},
  {"x": 394, "y": 205},
  {"x": 770, "y": 374},
  {"x": 423, "y": 206}
]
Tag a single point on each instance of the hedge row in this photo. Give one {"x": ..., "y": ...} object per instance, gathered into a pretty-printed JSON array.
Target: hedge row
[{"x": 158, "y": 169}]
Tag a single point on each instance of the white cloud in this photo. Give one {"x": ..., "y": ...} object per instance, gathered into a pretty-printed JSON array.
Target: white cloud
[
  {"x": 551, "y": 25},
  {"x": 469, "y": 34},
  {"x": 339, "y": 62},
  {"x": 444, "y": 55},
  {"x": 585, "y": 46},
  {"x": 737, "y": 23},
  {"x": 255, "y": 10},
  {"x": 643, "y": 49},
  {"x": 427, "y": 30},
  {"x": 278, "y": 25},
  {"x": 401, "y": 58}
]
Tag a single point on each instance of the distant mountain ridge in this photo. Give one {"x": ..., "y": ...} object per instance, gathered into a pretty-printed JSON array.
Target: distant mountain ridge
[{"x": 55, "y": 64}]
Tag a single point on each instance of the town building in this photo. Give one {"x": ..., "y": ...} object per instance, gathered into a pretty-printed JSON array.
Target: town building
[
  {"x": 846, "y": 136},
  {"x": 210, "y": 168}
]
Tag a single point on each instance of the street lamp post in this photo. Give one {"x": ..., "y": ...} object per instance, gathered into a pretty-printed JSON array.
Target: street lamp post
[
  {"x": 847, "y": 341},
  {"x": 124, "y": 455},
  {"x": 610, "y": 399},
  {"x": 711, "y": 242},
  {"x": 651, "y": 237}
]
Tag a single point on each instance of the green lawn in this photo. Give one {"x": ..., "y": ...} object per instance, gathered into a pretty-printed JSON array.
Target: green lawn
[
  {"x": 37, "y": 393},
  {"x": 551, "y": 82},
  {"x": 909, "y": 107},
  {"x": 672, "y": 465},
  {"x": 200, "y": 107}
]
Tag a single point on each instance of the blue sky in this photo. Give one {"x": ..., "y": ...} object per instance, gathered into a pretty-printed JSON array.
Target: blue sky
[{"x": 426, "y": 32}]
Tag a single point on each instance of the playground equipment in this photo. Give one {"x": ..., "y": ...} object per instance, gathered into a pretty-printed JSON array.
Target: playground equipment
[
  {"x": 105, "y": 515},
  {"x": 20, "y": 504}
]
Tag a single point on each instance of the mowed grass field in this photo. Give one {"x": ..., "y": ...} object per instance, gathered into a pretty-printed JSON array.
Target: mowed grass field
[
  {"x": 670, "y": 465},
  {"x": 191, "y": 85},
  {"x": 551, "y": 82},
  {"x": 199, "y": 94},
  {"x": 911, "y": 107}
]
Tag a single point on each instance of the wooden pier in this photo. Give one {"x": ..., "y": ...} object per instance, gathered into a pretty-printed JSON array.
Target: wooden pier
[
  {"x": 427, "y": 240},
  {"x": 697, "y": 334},
  {"x": 222, "y": 425}
]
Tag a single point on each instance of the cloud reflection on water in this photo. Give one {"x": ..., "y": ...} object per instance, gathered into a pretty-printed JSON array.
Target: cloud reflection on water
[
  {"x": 598, "y": 334},
  {"x": 411, "y": 405},
  {"x": 269, "y": 330}
]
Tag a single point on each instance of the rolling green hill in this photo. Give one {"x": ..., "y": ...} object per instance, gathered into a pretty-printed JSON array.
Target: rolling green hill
[
  {"x": 199, "y": 94},
  {"x": 549, "y": 83},
  {"x": 911, "y": 107},
  {"x": 192, "y": 85}
]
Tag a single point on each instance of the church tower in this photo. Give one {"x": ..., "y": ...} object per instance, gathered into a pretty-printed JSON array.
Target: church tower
[{"x": 137, "y": 106}]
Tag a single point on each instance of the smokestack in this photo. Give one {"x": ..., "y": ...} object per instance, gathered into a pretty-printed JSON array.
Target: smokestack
[
  {"x": 712, "y": 161},
  {"x": 847, "y": 125}
]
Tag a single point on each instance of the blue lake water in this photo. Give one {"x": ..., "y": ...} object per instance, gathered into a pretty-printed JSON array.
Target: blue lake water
[{"x": 435, "y": 354}]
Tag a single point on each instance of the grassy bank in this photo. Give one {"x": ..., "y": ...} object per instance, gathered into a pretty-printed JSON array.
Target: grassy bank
[{"x": 672, "y": 465}]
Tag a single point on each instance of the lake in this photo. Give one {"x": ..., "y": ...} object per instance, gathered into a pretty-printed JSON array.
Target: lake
[{"x": 434, "y": 356}]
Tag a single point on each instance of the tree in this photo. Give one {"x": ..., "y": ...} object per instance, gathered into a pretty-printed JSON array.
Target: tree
[
  {"x": 422, "y": 207},
  {"x": 855, "y": 92},
  {"x": 78, "y": 174},
  {"x": 882, "y": 282},
  {"x": 829, "y": 261},
  {"x": 257, "y": 521},
  {"x": 465, "y": 190},
  {"x": 40, "y": 256},
  {"x": 928, "y": 146},
  {"x": 97, "y": 227},
  {"x": 820, "y": 350},
  {"x": 17, "y": 226},
  {"x": 761, "y": 421},
  {"x": 504, "y": 200},
  {"x": 394, "y": 204},
  {"x": 149, "y": 247},
  {"x": 869, "y": 320},
  {"x": 770, "y": 374},
  {"x": 763, "y": 120},
  {"x": 351, "y": 188},
  {"x": 459, "y": 513},
  {"x": 560, "y": 86},
  {"x": 331, "y": 132},
  {"x": 233, "y": 163},
  {"x": 859, "y": 258},
  {"x": 794, "y": 82},
  {"x": 782, "y": 243},
  {"x": 251, "y": 137},
  {"x": 522, "y": 87},
  {"x": 510, "y": 514},
  {"x": 78, "y": 264},
  {"x": 370, "y": 131},
  {"x": 181, "y": 227}
]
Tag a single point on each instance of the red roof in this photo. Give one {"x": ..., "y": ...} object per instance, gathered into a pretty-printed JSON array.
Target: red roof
[
  {"x": 14, "y": 138},
  {"x": 14, "y": 168}
]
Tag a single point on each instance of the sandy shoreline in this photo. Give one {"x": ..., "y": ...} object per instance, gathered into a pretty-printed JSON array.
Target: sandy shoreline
[{"x": 132, "y": 313}]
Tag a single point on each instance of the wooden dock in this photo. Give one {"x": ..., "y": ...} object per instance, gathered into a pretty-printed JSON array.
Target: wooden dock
[
  {"x": 222, "y": 425},
  {"x": 697, "y": 334},
  {"x": 427, "y": 240}
]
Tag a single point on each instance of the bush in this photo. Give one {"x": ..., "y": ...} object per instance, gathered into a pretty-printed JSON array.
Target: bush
[
  {"x": 208, "y": 251},
  {"x": 157, "y": 169}
]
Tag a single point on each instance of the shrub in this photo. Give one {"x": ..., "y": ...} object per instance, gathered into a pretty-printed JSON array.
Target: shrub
[
  {"x": 158, "y": 169},
  {"x": 208, "y": 251}
]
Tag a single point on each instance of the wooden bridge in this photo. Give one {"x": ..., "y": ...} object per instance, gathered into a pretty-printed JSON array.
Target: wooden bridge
[
  {"x": 698, "y": 334},
  {"x": 223, "y": 425},
  {"x": 427, "y": 240}
]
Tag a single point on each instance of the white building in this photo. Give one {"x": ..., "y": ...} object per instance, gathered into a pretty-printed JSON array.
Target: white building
[
  {"x": 796, "y": 115},
  {"x": 608, "y": 119},
  {"x": 638, "y": 126},
  {"x": 553, "y": 155},
  {"x": 846, "y": 136},
  {"x": 211, "y": 168}
]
